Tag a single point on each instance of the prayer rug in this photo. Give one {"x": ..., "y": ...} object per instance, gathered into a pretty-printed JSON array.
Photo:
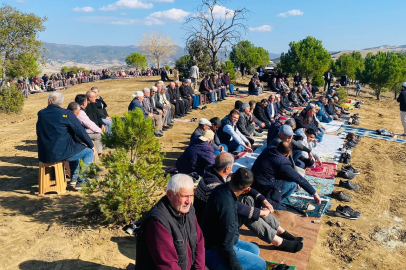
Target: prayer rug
[
  {"x": 303, "y": 202},
  {"x": 329, "y": 145},
  {"x": 371, "y": 134},
  {"x": 323, "y": 187},
  {"x": 333, "y": 126},
  {"x": 298, "y": 226},
  {"x": 326, "y": 171},
  {"x": 237, "y": 96},
  {"x": 271, "y": 265},
  {"x": 248, "y": 159},
  {"x": 331, "y": 158},
  {"x": 182, "y": 120}
]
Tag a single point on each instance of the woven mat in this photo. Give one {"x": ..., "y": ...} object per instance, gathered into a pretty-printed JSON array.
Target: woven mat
[
  {"x": 326, "y": 171},
  {"x": 271, "y": 265},
  {"x": 371, "y": 134},
  {"x": 237, "y": 96},
  {"x": 296, "y": 225},
  {"x": 302, "y": 202},
  {"x": 323, "y": 187}
]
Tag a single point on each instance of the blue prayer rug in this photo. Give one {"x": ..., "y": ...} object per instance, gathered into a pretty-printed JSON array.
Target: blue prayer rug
[
  {"x": 302, "y": 203},
  {"x": 323, "y": 187},
  {"x": 371, "y": 134}
]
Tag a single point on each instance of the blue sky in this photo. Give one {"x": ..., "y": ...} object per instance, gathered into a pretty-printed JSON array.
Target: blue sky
[{"x": 341, "y": 25}]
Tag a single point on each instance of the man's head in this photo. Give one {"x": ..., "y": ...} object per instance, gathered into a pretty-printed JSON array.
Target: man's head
[
  {"x": 153, "y": 90},
  {"x": 274, "y": 79},
  {"x": 55, "y": 98},
  {"x": 172, "y": 85},
  {"x": 234, "y": 115},
  {"x": 139, "y": 95},
  {"x": 146, "y": 92},
  {"x": 74, "y": 107},
  {"x": 185, "y": 82},
  {"x": 204, "y": 124},
  {"x": 237, "y": 104},
  {"x": 158, "y": 86},
  {"x": 245, "y": 108},
  {"x": 81, "y": 100},
  {"x": 96, "y": 90},
  {"x": 330, "y": 70},
  {"x": 180, "y": 192},
  {"x": 264, "y": 102},
  {"x": 277, "y": 98},
  {"x": 228, "y": 73},
  {"x": 91, "y": 96},
  {"x": 404, "y": 86},
  {"x": 215, "y": 123},
  {"x": 241, "y": 181},
  {"x": 291, "y": 122},
  {"x": 252, "y": 104},
  {"x": 310, "y": 134},
  {"x": 208, "y": 136},
  {"x": 223, "y": 164},
  {"x": 177, "y": 84},
  {"x": 284, "y": 148},
  {"x": 308, "y": 119},
  {"x": 286, "y": 133},
  {"x": 271, "y": 98}
]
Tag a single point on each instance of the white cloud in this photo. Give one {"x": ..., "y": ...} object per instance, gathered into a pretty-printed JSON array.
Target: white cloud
[
  {"x": 160, "y": 17},
  {"x": 123, "y": 14},
  {"x": 262, "y": 28},
  {"x": 293, "y": 12},
  {"x": 221, "y": 12},
  {"x": 110, "y": 20},
  {"x": 21, "y": 1},
  {"x": 166, "y": 1},
  {"x": 127, "y": 4},
  {"x": 83, "y": 9}
]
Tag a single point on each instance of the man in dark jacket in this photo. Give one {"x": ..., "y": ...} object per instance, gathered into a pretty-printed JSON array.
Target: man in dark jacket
[
  {"x": 220, "y": 227},
  {"x": 273, "y": 130},
  {"x": 101, "y": 105},
  {"x": 328, "y": 76},
  {"x": 184, "y": 93},
  {"x": 271, "y": 111},
  {"x": 57, "y": 129},
  {"x": 157, "y": 118},
  {"x": 169, "y": 236},
  {"x": 275, "y": 176},
  {"x": 205, "y": 89},
  {"x": 253, "y": 88},
  {"x": 285, "y": 102},
  {"x": 176, "y": 100},
  {"x": 402, "y": 100},
  {"x": 93, "y": 112},
  {"x": 216, "y": 144},
  {"x": 260, "y": 112},
  {"x": 245, "y": 124},
  {"x": 249, "y": 205},
  {"x": 198, "y": 157}
]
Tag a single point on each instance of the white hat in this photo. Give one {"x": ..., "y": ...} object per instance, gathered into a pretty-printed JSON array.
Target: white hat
[
  {"x": 404, "y": 84},
  {"x": 204, "y": 121},
  {"x": 207, "y": 136},
  {"x": 138, "y": 94}
]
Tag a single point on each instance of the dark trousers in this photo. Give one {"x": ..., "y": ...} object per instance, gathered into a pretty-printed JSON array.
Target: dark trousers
[
  {"x": 178, "y": 107},
  {"x": 325, "y": 84}
]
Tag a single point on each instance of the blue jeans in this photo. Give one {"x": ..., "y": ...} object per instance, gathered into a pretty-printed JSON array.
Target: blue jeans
[
  {"x": 296, "y": 154},
  {"x": 86, "y": 155},
  {"x": 231, "y": 88},
  {"x": 217, "y": 152},
  {"x": 108, "y": 125},
  {"x": 319, "y": 136},
  {"x": 289, "y": 189},
  {"x": 223, "y": 93},
  {"x": 233, "y": 146},
  {"x": 213, "y": 96},
  {"x": 247, "y": 254},
  {"x": 196, "y": 101}
]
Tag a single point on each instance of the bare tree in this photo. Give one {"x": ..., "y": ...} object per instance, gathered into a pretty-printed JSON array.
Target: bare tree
[
  {"x": 216, "y": 26},
  {"x": 157, "y": 45}
]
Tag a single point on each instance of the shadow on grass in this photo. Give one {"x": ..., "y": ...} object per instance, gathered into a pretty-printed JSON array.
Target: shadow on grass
[
  {"x": 63, "y": 265},
  {"x": 126, "y": 245}
]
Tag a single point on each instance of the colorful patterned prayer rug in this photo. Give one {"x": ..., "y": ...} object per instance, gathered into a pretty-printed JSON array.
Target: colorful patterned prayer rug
[
  {"x": 371, "y": 134},
  {"x": 323, "y": 187},
  {"x": 326, "y": 171},
  {"x": 302, "y": 203},
  {"x": 271, "y": 265}
]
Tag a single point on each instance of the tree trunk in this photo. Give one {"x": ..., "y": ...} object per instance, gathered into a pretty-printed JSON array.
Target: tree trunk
[
  {"x": 213, "y": 61},
  {"x": 396, "y": 94},
  {"x": 378, "y": 96},
  {"x": 3, "y": 74}
]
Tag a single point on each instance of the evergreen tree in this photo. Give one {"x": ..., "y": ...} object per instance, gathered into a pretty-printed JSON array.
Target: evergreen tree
[{"x": 134, "y": 178}]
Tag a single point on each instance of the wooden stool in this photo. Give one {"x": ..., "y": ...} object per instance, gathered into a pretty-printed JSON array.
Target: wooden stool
[
  {"x": 203, "y": 99},
  {"x": 46, "y": 184}
]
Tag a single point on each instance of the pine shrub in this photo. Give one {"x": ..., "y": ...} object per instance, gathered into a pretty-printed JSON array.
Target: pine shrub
[
  {"x": 11, "y": 100},
  {"x": 134, "y": 179}
]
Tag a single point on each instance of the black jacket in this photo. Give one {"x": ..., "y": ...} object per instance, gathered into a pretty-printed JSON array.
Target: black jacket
[
  {"x": 94, "y": 114},
  {"x": 259, "y": 113},
  {"x": 156, "y": 105},
  {"x": 56, "y": 131},
  {"x": 184, "y": 93},
  {"x": 402, "y": 100},
  {"x": 101, "y": 105},
  {"x": 252, "y": 87},
  {"x": 220, "y": 224}
]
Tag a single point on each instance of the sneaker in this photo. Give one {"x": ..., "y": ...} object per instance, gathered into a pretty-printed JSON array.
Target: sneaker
[
  {"x": 346, "y": 174},
  {"x": 350, "y": 144},
  {"x": 351, "y": 169},
  {"x": 342, "y": 196},
  {"x": 72, "y": 182},
  {"x": 79, "y": 185},
  {"x": 347, "y": 212},
  {"x": 349, "y": 185}
]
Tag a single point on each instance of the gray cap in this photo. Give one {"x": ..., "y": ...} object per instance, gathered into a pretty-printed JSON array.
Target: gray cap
[
  {"x": 291, "y": 122},
  {"x": 244, "y": 106},
  {"x": 287, "y": 130}
]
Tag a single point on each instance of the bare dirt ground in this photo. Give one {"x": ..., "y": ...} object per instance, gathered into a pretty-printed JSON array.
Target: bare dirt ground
[{"x": 53, "y": 232}]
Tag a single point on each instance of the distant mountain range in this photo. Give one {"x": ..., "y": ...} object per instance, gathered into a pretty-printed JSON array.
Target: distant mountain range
[{"x": 95, "y": 57}]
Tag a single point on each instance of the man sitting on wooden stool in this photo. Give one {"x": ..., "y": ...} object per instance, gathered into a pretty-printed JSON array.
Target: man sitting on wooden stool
[{"x": 56, "y": 131}]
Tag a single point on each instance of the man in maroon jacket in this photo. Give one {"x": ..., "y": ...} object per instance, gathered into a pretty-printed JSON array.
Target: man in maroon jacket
[{"x": 170, "y": 237}]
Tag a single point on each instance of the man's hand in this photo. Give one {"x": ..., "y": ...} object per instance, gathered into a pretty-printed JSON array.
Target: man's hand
[
  {"x": 150, "y": 115},
  {"x": 108, "y": 118},
  {"x": 311, "y": 155},
  {"x": 263, "y": 125},
  {"x": 267, "y": 205},
  {"x": 165, "y": 111},
  {"x": 264, "y": 212},
  {"x": 103, "y": 128},
  {"x": 248, "y": 149},
  {"x": 159, "y": 111},
  {"x": 317, "y": 199},
  {"x": 249, "y": 144},
  {"x": 319, "y": 162}
]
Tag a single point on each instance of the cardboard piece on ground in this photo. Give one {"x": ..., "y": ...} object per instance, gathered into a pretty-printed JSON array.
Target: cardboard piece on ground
[{"x": 296, "y": 225}]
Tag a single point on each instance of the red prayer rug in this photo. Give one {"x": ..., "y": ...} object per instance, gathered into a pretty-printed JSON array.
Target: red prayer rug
[{"x": 325, "y": 171}]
